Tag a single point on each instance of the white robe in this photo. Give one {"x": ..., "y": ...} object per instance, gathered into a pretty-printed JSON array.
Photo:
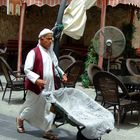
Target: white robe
[{"x": 35, "y": 109}]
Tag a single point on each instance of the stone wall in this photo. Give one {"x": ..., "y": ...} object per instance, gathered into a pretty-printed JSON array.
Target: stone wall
[
  {"x": 37, "y": 18},
  {"x": 136, "y": 39}
]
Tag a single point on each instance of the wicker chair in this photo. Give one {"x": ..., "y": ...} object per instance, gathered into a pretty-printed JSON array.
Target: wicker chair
[
  {"x": 91, "y": 71},
  {"x": 65, "y": 61},
  {"x": 3, "y": 50},
  {"x": 133, "y": 66},
  {"x": 110, "y": 86},
  {"x": 73, "y": 73},
  {"x": 15, "y": 81},
  {"x": 115, "y": 68},
  {"x": 72, "y": 53}
]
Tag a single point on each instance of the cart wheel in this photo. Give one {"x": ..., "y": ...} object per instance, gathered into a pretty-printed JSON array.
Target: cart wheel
[{"x": 81, "y": 137}]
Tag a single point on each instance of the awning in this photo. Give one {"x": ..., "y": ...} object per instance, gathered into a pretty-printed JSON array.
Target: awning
[
  {"x": 116, "y": 2},
  {"x": 35, "y": 2},
  {"x": 42, "y": 2},
  {"x": 3, "y": 2}
]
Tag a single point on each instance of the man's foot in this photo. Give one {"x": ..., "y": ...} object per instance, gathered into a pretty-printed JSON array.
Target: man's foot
[
  {"x": 49, "y": 135},
  {"x": 19, "y": 125}
]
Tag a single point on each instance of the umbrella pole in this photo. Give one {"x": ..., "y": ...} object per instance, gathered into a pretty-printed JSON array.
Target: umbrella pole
[
  {"x": 20, "y": 36},
  {"x": 103, "y": 15},
  {"x": 59, "y": 27}
]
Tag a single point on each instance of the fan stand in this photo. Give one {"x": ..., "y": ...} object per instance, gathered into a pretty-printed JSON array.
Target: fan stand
[
  {"x": 108, "y": 52},
  {"x": 109, "y": 43}
]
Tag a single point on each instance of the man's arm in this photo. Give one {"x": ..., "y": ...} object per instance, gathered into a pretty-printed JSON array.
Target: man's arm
[{"x": 28, "y": 67}]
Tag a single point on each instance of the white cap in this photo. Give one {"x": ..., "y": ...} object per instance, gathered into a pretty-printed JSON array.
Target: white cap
[{"x": 44, "y": 32}]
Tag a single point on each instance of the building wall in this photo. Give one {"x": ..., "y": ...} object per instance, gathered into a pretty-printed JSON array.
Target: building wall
[
  {"x": 37, "y": 18},
  {"x": 136, "y": 38}
]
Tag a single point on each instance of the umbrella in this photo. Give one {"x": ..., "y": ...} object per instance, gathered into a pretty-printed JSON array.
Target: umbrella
[
  {"x": 58, "y": 27},
  {"x": 74, "y": 19}
]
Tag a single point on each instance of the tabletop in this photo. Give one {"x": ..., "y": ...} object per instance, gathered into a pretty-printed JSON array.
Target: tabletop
[
  {"x": 131, "y": 82},
  {"x": 130, "y": 79}
]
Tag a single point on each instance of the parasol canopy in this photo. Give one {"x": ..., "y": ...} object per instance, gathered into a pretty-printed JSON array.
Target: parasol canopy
[
  {"x": 35, "y": 2},
  {"x": 116, "y": 2},
  {"x": 74, "y": 18}
]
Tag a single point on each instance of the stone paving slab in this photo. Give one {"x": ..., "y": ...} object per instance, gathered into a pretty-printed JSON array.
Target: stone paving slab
[
  {"x": 126, "y": 131},
  {"x": 8, "y": 131}
]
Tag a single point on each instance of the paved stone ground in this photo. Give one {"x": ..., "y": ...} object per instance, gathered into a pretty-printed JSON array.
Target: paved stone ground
[{"x": 128, "y": 130}]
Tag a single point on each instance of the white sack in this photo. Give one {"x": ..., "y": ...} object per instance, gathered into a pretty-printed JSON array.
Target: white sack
[{"x": 84, "y": 111}]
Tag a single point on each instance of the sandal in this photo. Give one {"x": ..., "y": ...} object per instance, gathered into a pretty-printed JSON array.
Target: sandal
[
  {"x": 19, "y": 125},
  {"x": 50, "y": 136}
]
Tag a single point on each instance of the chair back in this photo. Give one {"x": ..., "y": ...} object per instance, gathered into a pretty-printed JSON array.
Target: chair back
[
  {"x": 15, "y": 81},
  {"x": 133, "y": 66},
  {"x": 7, "y": 71},
  {"x": 115, "y": 68},
  {"x": 92, "y": 70},
  {"x": 109, "y": 86},
  {"x": 65, "y": 61},
  {"x": 72, "y": 53},
  {"x": 73, "y": 73}
]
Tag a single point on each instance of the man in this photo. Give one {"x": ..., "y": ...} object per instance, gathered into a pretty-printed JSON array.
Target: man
[{"x": 41, "y": 67}]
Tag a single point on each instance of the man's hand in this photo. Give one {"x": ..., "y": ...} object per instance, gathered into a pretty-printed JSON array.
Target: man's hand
[
  {"x": 40, "y": 83},
  {"x": 64, "y": 78}
]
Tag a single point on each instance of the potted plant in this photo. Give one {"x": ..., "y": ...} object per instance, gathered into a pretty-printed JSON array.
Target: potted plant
[{"x": 92, "y": 57}]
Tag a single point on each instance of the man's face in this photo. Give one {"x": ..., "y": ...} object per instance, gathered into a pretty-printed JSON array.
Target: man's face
[{"x": 46, "y": 41}]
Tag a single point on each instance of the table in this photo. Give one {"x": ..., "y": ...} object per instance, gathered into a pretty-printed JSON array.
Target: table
[{"x": 132, "y": 83}]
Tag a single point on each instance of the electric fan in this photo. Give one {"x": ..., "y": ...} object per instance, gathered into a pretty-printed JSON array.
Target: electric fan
[{"x": 109, "y": 42}]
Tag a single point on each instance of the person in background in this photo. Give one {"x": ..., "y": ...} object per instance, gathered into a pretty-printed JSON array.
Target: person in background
[{"x": 41, "y": 68}]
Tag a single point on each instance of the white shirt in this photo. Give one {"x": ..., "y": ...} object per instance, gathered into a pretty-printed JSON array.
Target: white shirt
[{"x": 48, "y": 59}]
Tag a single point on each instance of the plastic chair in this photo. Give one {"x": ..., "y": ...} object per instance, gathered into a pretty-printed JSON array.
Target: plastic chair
[
  {"x": 14, "y": 80},
  {"x": 109, "y": 86}
]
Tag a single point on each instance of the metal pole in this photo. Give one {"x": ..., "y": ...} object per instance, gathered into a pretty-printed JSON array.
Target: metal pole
[
  {"x": 59, "y": 27},
  {"x": 20, "y": 36},
  {"x": 103, "y": 15}
]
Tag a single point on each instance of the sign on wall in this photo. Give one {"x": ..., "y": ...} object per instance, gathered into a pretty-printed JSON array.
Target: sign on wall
[{"x": 13, "y": 7}]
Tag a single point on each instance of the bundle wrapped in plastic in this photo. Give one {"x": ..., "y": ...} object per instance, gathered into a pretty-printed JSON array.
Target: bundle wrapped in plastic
[{"x": 83, "y": 111}]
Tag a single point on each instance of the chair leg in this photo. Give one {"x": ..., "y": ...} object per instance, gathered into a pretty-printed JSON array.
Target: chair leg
[
  {"x": 10, "y": 96},
  {"x": 114, "y": 111},
  {"x": 1, "y": 85},
  {"x": 4, "y": 92},
  {"x": 123, "y": 117},
  {"x": 24, "y": 96},
  {"x": 118, "y": 121},
  {"x": 138, "y": 117},
  {"x": 96, "y": 97}
]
